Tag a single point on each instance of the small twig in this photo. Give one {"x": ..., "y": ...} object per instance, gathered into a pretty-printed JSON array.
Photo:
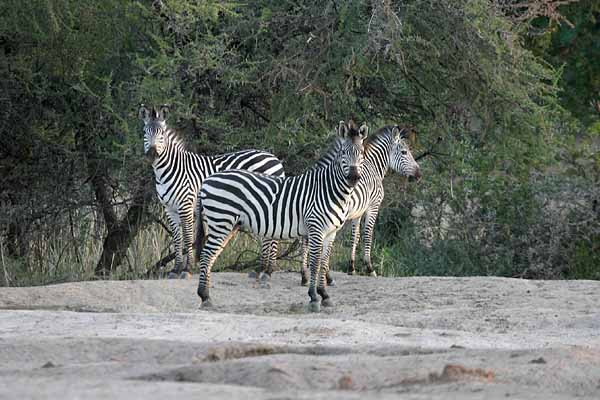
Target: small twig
[
  {"x": 161, "y": 263},
  {"x": 158, "y": 221},
  {"x": 237, "y": 266},
  {"x": 431, "y": 151}
]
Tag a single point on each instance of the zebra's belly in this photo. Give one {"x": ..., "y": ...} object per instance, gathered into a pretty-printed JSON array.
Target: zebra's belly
[
  {"x": 272, "y": 227},
  {"x": 276, "y": 236}
]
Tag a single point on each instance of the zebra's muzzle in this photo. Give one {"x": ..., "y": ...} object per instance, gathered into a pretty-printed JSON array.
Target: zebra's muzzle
[
  {"x": 416, "y": 177},
  {"x": 353, "y": 176},
  {"x": 151, "y": 153}
]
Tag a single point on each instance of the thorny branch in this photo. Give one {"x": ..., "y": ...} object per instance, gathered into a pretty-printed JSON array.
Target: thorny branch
[{"x": 525, "y": 11}]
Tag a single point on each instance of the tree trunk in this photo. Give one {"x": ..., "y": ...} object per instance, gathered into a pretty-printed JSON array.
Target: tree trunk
[
  {"x": 16, "y": 244},
  {"x": 122, "y": 232}
]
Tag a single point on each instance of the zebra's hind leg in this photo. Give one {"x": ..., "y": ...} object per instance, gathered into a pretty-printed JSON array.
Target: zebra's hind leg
[
  {"x": 187, "y": 229},
  {"x": 325, "y": 263},
  {"x": 368, "y": 228},
  {"x": 304, "y": 272},
  {"x": 355, "y": 240},
  {"x": 326, "y": 252},
  {"x": 217, "y": 239},
  {"x": 174, "y": 223}
]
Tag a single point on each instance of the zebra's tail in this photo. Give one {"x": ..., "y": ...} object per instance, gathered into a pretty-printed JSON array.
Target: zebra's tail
[{"x": 200, "y": 231}]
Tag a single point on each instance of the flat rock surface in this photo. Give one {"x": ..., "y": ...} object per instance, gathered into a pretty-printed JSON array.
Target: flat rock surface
[{"x": 413, "y": 338}]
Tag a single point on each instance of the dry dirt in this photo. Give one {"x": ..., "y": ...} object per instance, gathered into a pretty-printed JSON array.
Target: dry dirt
[{"x": 413, "y": 338}]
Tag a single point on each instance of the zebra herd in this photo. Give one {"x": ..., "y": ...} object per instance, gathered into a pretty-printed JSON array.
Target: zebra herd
[{"x": 248, "y": 190}]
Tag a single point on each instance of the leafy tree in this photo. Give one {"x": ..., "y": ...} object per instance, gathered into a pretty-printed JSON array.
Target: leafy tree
[{"x": 480, "y": 81}]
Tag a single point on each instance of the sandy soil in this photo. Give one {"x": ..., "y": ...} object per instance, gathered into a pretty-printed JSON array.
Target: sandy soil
[{"x": 413, "y": 338}]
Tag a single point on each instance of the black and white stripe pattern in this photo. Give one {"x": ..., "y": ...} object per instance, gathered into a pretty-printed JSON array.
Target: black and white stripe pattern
[
  {"x": 179, "y": 174},
  {"x": 312, "y": 205},
  {"x": 387, "y": 148}
]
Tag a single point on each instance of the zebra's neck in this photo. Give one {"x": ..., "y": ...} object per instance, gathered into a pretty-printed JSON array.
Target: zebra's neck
[
  {"x": 329, "y": 157},
  {"x": 377, "y": 152},
  {"x": 334, "y": 180},
  {"x": 175, "y": 156}
]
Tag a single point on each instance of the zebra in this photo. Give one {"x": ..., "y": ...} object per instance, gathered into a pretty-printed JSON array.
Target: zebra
[
  {"x": 385, "y": 149},
  {"x": 312, "y": 205},
  {"x": 179, "y": 173}
]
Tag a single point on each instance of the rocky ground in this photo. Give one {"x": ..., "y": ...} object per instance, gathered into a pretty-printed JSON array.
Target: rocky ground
[{"x": 413, "y": 338}]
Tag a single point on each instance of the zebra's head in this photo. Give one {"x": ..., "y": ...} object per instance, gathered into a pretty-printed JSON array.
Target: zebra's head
[
  {"x": 350, "y": 156},
  {"x": 401, "y": 159},
  {"x": 155, "y": 126}
]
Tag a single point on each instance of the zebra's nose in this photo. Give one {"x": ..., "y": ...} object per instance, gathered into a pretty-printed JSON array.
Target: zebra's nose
[
  {"x": 416, "y": 176},
  {"x": 354, "y": 175},
  {"x": 151, "y": 153}
]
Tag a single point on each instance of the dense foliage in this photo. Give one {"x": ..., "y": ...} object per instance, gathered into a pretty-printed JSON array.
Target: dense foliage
[{"x": 505, "y": 99}]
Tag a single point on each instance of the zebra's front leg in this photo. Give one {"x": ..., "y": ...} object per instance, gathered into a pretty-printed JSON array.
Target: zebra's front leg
[
  {"x": 355, "y": 240},
  {"x": 315, "y": 248},
  {"x": 368, "y": 228},
  {"x": 187, "y": 228},
  {"x": 214, "y": 245},
  {"x": 174, "y": 223},
  {"x": 304, "y": 272},
  {"x": 323, "y": 278}
]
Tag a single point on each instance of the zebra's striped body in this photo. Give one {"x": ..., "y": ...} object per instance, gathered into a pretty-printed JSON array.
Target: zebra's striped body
[
  {"x": 312, "y": 205},
  {"x": 385, "y": 149},
  {"x": 179, "y": 175}
]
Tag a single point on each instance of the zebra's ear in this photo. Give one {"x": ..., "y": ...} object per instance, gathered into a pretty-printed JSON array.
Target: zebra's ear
[
  {"x": 398, "y": 132},
  {"x": 363, "y": 131},
  {"x": 342, "y": 129},
  {"x": 143, "y": 113},
  {"x": 163, "y": 112}
]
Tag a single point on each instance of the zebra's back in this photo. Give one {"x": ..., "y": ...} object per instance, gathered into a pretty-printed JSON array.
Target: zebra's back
[
  {"x": 250, "y": 160},
  {"x": 267, "y": 206},
  {"x": 179, "y": 181}
]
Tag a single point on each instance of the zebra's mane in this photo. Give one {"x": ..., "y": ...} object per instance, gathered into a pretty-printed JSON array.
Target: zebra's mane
[
  {"x": 378, "y": 138},
  {"x": 329, "y": 155},
  {"x": 381, "y": 135},
  {"x": 175, "y": 138},
  {"x": 171, "y": 134}
]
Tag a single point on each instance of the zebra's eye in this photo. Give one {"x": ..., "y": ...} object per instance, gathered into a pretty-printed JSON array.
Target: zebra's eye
[{"x": 404, "y": 152}]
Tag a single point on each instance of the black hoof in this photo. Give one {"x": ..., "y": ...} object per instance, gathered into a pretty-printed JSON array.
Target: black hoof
[
  {"x": 265, "y": 281},
  {"x": 351, "y": 272},
  {"x": 265, "y": 285},
  {"x": 173, "y": 275},
  {"x": 207, "y": 303},
  {"x": 314, "y": 306},
  {"x": 304, "y": 281},
  {"x": 327, "y": 302},
  {"x": 185, "y": 275},
  {"x": 331, "y": 283}
]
